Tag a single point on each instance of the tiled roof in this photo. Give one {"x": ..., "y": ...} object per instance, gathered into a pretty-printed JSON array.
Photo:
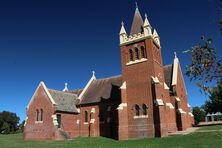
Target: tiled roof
[
  {"x": 76, "y": 91},
  {"x": 65, "y": 100},
  {"x": 108, "y": 88}
]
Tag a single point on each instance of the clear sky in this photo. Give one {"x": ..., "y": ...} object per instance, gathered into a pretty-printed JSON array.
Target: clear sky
[{"x": 63, "y": 41}]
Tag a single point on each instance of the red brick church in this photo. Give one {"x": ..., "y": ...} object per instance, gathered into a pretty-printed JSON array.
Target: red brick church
[{"x": 147, "y": 100}]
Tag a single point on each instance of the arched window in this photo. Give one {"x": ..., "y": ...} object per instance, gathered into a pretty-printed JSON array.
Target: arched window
[
  {"x": 137, "y": 110},
  {"x": 131, "y": 55},
  {"x": 37, "y": 115},
  {"x": 86, "y": 116},
  {"x": 137, "y": 53},
  {"x": 143, "y": 52},
  {"x": 41, "y": 115},
  {"x": 144, "y": 109}
]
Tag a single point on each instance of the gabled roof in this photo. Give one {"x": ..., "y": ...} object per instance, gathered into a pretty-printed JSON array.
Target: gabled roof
[
  {"x": 65, "y": 100},
  {"x": 108, "y": 88},
  {"x": 76, "y": 91},
  {"x": 137, "y": 25},
  {"x": 46, "y": 91}
]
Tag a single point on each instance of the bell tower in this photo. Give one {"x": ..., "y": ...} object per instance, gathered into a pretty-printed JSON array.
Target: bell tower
[{"x": 143, "y": 93}]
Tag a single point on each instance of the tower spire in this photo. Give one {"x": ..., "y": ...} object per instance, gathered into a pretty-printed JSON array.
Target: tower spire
[
  {"x": 137, "y": 25},
  {"x": 122, "y": 34},
  {"x": 147, "y": 27}
]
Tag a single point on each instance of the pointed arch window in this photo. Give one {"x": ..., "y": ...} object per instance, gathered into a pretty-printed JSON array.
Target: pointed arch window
[
  {"x": 37, "y": 115},
  {"x": 137, "y": 110},
  {"x": 41, "y": 115},
  {"x": 137, "y": 53},
  {"x": 144, "y": 109},
  {"x": 86, "y": 116},
  {"x": 143, "y": 52},
  {"x": 131, "y": 55}
]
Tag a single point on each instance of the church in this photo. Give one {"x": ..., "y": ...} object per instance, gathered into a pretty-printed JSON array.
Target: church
[{"x": 148, "y": 99}]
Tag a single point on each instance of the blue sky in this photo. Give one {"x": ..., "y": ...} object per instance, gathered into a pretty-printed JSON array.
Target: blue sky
[{"x": 63, "y": 41}]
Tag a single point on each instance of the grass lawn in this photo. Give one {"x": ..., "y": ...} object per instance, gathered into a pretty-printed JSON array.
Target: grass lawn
[
  {"x": 211, "y": 127},
  {"x": 198, "y": 139}
]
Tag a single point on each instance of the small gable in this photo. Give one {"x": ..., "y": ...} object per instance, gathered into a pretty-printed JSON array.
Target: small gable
[{"x": 41, "y": 89}]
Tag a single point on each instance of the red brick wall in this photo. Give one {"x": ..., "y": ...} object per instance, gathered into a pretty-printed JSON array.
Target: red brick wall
[
  {"x": 69, "y": 124},
  {"x": 138, "y": 81},
  {"x": 105, "y": 128},
  {"x": 87, "y": 129},
  {"x": 185, "y": 119},
  {"x": 46, "y": 129}
]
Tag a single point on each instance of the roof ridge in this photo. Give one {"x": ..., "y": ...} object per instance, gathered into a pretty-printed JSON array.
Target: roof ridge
[
  {"x": 65, "y": 92},
  {"x": 109, "y": 77}
]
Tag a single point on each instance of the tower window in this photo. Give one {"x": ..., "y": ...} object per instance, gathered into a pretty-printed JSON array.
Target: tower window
[
  {"x": 144, "y": 109},
  {"x": 143, "y": 52},
  {"x": 41, "y": 115},
  {"x": 131, "y": 54},
  {"x": 137, "y": 110},
  {"x": 37, "y": 115},
  {"x": 86, "y": 116},
  {"x": 137, "y": 53}
]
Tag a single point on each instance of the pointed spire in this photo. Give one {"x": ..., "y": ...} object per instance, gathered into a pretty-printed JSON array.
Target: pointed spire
[
  {"x": 123, "y": 30},
  {"x": 155, "y": 34},
  {"x": 66, "y": 87},
  {"x": 137, "y": 25},
  {"x": 146, "y": 22},
  {"x": 175, "y": 55}
]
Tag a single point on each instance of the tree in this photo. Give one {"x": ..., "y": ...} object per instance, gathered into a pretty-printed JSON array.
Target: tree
[
  {"x": 21, "y": 127},
  {"x": 205, "y": 67},
  {"x": 214, "y": 104},
  {"x": 8, "y": 122},
  {"x": 199, "y": 114}
]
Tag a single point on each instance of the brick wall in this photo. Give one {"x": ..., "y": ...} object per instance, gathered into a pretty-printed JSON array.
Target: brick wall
[{"x": 40, "y": 130}]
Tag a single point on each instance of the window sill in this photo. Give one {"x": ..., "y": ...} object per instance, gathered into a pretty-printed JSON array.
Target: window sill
[
  {"x": 136, "y": 61},
  {"x": 38, "y": 122},
  {"x": 140, "y": 117},
  {"x": 85, "y": 123}
]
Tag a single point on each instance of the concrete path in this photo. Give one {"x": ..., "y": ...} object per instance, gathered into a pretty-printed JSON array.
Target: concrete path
[{"x": 188, "y": 131}]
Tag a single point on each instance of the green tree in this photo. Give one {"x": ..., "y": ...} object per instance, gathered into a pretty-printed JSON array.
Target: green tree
[
  {"x": 8, "y": 122},
  {"x": 205, "y": 67},
  {"x": 214, "y": 104},
  {"x": 21, "y": 127},
  {"x": 199, "y": 114}
]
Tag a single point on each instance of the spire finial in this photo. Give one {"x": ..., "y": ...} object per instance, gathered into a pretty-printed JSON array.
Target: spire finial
[
  {"x": 146, "y": 16},
  {"x": 94, "y": 73},
  {"x": 66, "y": 87},
  {"x": 175, "y": 55},
  {"x": 122, "y": 23},
  {"x": 136, "y": 4}
]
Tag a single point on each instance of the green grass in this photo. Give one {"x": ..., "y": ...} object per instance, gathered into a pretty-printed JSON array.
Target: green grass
[
  {"x": 211, "y": 127},
  {"x": 194, "y": 140}
]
